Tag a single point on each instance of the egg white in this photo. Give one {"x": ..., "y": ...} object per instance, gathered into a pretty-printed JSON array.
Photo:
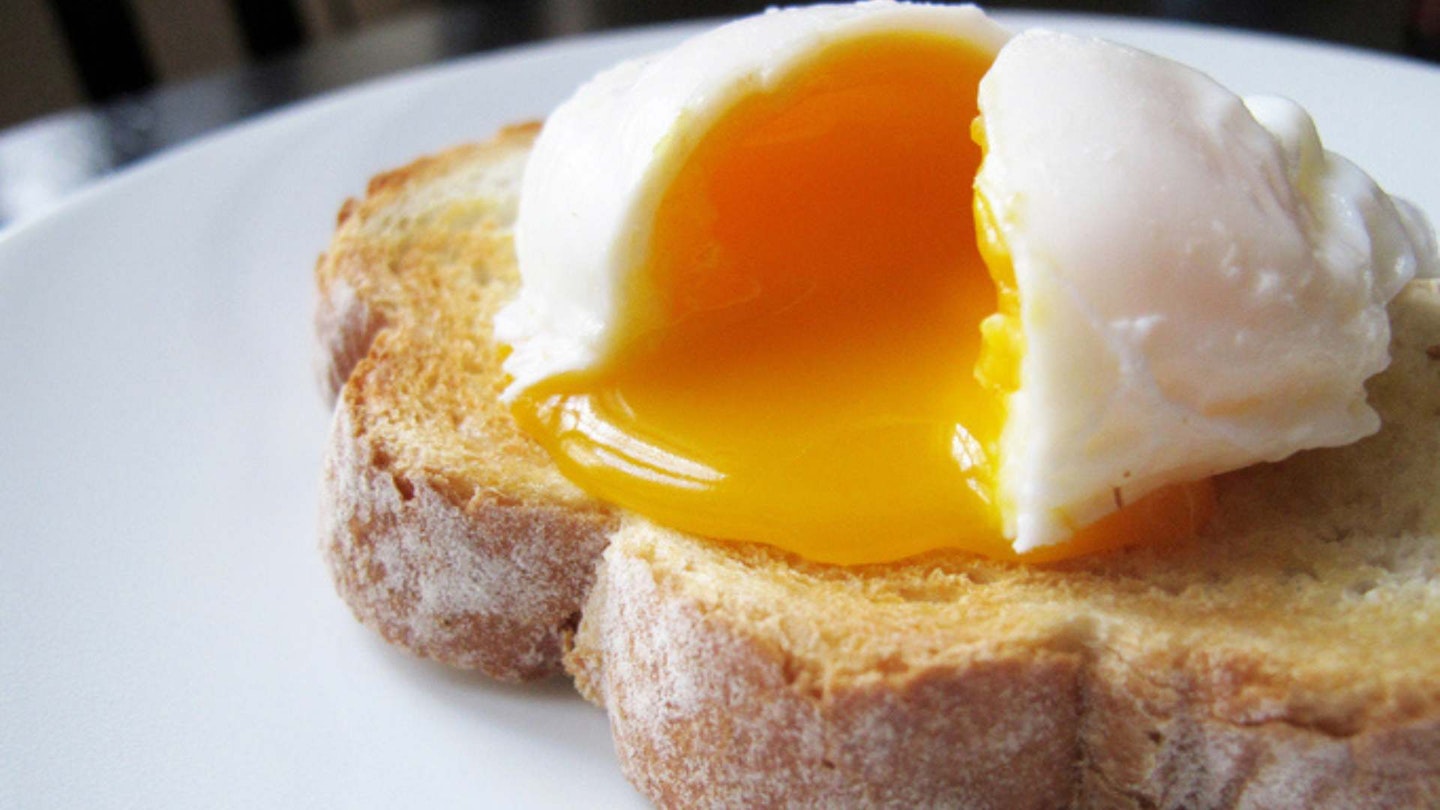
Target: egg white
[{"x": 1200, "y": 290}]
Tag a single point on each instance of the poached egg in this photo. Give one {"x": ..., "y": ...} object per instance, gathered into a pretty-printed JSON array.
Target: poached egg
[{"x": 863, "y": 281}]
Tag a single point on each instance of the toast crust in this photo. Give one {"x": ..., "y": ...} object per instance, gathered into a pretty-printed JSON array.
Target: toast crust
[
  {"x": 709, "y": 711},
  {"x": 477, "y": 581}
]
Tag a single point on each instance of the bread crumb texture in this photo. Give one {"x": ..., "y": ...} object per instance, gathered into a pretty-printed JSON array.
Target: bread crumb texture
[{"x": 1289, "y": 658}]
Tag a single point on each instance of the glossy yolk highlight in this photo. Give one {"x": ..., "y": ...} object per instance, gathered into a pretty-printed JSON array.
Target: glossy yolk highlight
[{"x": 802, "y": 371}]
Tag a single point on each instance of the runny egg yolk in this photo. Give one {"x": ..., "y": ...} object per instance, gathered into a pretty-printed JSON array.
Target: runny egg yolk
[{"x": 798, "y": 363}]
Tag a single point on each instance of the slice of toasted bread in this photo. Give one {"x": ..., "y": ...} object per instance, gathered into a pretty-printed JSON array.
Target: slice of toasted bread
[{"x": 1289, "y": 658}]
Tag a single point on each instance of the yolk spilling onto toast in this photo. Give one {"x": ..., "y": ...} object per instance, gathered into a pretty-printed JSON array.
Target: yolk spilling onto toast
[{"x": 809, "y": 371}]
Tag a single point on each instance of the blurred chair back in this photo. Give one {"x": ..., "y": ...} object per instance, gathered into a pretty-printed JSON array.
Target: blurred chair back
[{"x": 120, "y": 46}]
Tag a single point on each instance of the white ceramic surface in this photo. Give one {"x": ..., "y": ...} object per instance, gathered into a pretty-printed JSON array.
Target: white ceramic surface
[{"x": 168, "y": 637}]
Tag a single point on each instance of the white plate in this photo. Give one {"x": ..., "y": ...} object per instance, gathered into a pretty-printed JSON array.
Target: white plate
[{"x": 168, "y": 637}]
